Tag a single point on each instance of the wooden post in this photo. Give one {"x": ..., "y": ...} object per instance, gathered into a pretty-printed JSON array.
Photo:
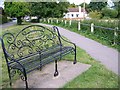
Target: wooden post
[
  {"x": 48, "y": 21},
  {"x": 65, "y": 22},
  {"x": 79, "y": 25},
  {"x": 57, "y": 20},
  {"x": 70, "y": 22},
  {"x": 92, "y": 27},
  {"x": 115, "y": 35}
]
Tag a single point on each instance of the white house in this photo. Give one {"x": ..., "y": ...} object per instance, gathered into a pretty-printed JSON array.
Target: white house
[{"x": 75, "y": 13}]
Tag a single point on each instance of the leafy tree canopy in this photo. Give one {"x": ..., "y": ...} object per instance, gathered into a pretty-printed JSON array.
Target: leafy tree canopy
[
  {"x": 97, "y": 6},
  {"x": 17, "y": 9},
  {"x": 49, "y": 9}
]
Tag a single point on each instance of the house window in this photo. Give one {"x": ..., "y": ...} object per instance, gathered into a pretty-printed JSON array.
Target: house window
[
  {"x": 72, "y": 15},
  {"x": 77, "y": 15}
]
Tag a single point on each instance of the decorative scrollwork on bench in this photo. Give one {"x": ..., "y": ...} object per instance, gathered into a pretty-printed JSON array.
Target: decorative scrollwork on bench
[{"x": 30, "y": 40}]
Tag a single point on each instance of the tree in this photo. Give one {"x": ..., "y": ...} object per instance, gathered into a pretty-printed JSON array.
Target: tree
[
  {"x": 86, "y": 6},
  {"x": 97, "y": 6},
  {"x": 48, "y": 9},
  {"x": 72, "y": 5},
  {"x": 17, "y": 9},
  {"x": 108, "y": 12}
]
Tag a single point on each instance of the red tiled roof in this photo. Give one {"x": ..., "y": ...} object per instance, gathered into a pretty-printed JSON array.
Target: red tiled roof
[{"x": 75, "y": 9}]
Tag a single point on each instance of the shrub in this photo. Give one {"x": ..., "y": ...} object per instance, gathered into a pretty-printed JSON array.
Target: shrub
[
  {"x": 107, "y": 12},
  {"x": 95, "y": 14}
]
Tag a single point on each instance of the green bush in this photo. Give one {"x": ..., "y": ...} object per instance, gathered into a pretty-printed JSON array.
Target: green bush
[
  {"x": 95, "y": 14},
  {"x": 107, "y": 12}
]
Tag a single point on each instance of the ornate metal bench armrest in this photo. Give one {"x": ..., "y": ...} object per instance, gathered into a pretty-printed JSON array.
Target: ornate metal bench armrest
[
  {"x": 68, "y": 41},
  {"x": 55, "y": 28}
]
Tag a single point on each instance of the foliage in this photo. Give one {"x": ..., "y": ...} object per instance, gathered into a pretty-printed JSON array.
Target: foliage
[
  {"x": 107, "y": 12},
  {"x": 97, "y": 6},
  {"x": 86, "y": 6},
  {"x": 95, "y": 14},
  {"x": 48, "y": 9},
  {"x": 17, "y": 9},
  {"x": 72, "y": 5}
]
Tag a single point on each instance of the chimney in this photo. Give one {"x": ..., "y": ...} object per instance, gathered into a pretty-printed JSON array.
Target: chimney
[{"x": 79, "y": 8}]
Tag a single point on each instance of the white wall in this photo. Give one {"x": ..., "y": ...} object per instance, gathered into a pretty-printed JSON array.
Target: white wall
[{"x": 69, "y": 15}]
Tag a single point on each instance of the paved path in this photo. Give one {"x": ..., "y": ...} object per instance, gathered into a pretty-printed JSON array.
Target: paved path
[
  {"x": 45, "y": 78},
  {"x": 107, "y": 56},
  {"x": 7, "y": 25}
]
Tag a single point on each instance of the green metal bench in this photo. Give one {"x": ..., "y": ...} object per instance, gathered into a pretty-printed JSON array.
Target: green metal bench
[{"x": 32, "y": 48}]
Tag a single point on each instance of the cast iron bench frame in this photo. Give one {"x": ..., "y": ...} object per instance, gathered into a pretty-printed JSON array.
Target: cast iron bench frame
[{"x": 19, "y": 64}]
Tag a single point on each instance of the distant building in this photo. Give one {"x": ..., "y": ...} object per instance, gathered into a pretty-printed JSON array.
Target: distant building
[{"x": 75, "y": 13}]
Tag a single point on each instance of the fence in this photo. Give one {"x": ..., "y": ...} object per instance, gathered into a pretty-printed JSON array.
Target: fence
[{"x": 111, "y": 36}]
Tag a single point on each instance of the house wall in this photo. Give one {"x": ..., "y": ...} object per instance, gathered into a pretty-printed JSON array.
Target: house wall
[{"x": 72, "y": 15}]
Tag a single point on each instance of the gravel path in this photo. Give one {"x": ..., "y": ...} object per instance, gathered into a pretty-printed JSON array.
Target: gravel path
[{"x": 107, "y": 56}]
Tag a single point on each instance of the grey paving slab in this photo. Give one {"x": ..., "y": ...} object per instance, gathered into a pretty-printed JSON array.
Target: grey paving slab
[
  {"x": 45, "y": 79},
  {"x": 106, "y": 55}
]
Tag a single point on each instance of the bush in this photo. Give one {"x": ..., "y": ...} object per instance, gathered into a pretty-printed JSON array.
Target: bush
[
  {"x": 95, "y": 14},
  {"x": 107, "y": 12}
]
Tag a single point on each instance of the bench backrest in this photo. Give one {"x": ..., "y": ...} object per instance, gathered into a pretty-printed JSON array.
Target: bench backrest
[{"x": 32, "y": 39}]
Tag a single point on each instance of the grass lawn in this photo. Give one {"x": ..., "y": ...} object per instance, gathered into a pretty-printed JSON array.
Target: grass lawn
[{"x": 96, "y": 77}]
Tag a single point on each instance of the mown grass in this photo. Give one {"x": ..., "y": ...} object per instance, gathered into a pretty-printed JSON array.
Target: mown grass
[{"x": 96, "y": 77}]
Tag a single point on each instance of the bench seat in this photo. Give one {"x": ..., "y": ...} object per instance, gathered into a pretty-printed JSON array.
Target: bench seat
[{"x": 33, "y": 62}]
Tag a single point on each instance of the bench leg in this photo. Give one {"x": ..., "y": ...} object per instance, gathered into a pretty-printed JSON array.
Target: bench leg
[
  {"x": 56, "y": 71},
  {"x": 75, "y": 61},
  {"x": 26, "y": 83},
  {"x": 10, "y": 78}
]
